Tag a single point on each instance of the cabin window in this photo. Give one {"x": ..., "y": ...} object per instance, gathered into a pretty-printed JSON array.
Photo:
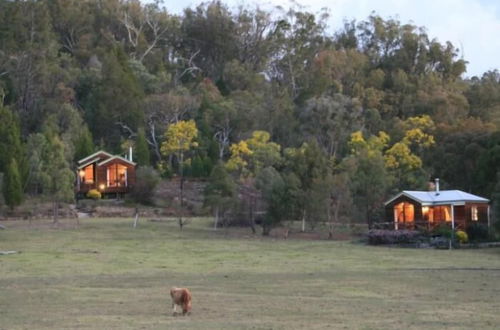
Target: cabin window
[
  {"x": 117, "y": 175},
  {"x": 474, "y": 213},
  {"x": 88, "y": 174},
  {"x": 404, "y": 212},
  {"x": 428, "y": 213},
  {"x": 442, "y": 213}
]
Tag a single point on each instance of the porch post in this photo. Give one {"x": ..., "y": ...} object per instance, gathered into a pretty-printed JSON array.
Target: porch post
[
  {"x": 452, "y": 218},
  {"x": 488, "y": 212},
  {"x": 452, "y": 225},
  {"x": 395, "y": 219}
]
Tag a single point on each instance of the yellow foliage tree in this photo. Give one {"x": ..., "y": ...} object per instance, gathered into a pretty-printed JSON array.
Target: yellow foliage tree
[
  {"x": 180, "y": 138},
  {"x": 374, "y": 144},
  {"x": 251, "y": 155},
  {"x": 402, "y": 158},
  {"x": 239, "y": 156}
]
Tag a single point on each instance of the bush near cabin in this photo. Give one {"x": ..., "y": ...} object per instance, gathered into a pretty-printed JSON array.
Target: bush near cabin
[
  {"x": 381, "y": 237},
  {"x": 94, "y": 194}
]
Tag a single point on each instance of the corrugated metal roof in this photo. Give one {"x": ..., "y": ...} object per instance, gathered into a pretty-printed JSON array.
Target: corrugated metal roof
[{"x": 440, "y": 197}]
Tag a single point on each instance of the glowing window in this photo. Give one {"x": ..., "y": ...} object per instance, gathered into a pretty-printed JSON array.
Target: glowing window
[
  {"x": 88, "y": 176},
  {"x": 117, "y": 175},
  {"x": 428, "y": 213},
  {"x": 404, "y": 212},
  {"x": 474, "y": 213},
  {"x": 442, "y": 213}
]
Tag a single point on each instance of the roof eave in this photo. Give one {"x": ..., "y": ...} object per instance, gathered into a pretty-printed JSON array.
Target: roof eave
[
  {"x": 94, "y": 155},
  {"x": 116, "y": 157}
]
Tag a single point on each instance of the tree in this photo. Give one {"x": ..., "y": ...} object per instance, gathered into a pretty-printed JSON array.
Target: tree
[
  {"x": 10, "y": 140},
  {"x": 220, "y": 191},
  {"x": 310, "y": 165},
  {"x": 179, "y": 139},
  {"x": 249, "y": 156},
  {"x": 84, "y": 145},
  {"x": 330, "y": 120},
  {"x": 57, "y": 177},
  {"x": 12, "y": 190},
  {"x": 496, "y": 202},
  {"x": 403, "y": 159},
  {"x": 142, "y": 156},
  {"x": 370, "y": 179},
  {"x": 274, "y": 193},
  {"x": 147, "y": 178}
]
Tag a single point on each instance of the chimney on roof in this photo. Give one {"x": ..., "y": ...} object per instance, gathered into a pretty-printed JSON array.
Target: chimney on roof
[
  {"x": 130, "y": 154},
  {"x": 436, "y": 180}
]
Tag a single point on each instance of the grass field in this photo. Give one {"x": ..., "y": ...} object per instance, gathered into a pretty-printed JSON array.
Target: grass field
[{"x": 107, "y": 275}]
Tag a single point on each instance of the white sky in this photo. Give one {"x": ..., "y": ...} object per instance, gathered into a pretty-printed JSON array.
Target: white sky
[{"x": 473, "y": 26}]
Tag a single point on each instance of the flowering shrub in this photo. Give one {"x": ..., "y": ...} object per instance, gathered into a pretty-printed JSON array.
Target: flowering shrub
[
  {"x": 462, "y": 236},
  {"x": 376, "y": 237},
  {"x": 94, "y": 194}
]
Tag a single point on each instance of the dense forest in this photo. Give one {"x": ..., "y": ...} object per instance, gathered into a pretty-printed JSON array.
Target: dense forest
[{"x": 325, "y": 126}]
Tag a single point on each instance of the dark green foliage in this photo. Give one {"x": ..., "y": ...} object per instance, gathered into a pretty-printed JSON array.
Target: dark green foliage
[
  {"x": 220, "y": 186},
  {"x": 84, "y": 145},
  {"x": 477, "y": 232},
  {"x": 142, "y": 156},
  {"x": 197, "y": 169},
  {"x": 12, "y": 190},
  {"x": 220, "y": 192},
  {"x": 280, "y": 195},
  {"x": 10, "y": 139},
  {"x": 147, "y": 178},
  {"x": 443, "y": 230},
  {"x": 496, "y": 204}
]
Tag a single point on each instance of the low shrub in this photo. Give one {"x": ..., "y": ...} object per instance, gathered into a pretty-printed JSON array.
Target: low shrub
[
  {"x": 147, "y": 178},
  {"x": 378, "y": 237},
  {"x": 477, "y": 232},
  {"x": 462, "y": 236},
  {"x": 442, "y": 230},
  {"x": 94, "y": 194}
]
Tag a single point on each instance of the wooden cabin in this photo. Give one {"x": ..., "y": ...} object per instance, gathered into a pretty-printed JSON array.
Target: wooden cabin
[
  {"x": 429, "y": 209},
  {"x": 110, "y": 174}
]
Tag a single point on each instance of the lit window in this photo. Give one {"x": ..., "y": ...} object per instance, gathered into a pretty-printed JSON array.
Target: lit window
[
  {"x": 404, "y": 212},
  {"x": 442, "y": 213},
  {"x": 89, "y": 174},
  {"x": 117, "y": 175},
  {"x": 474, "y": 215},
  {"x": 428, "y": 213}
]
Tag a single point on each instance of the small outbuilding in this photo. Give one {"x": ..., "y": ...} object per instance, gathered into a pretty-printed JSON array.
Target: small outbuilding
[
  {"x": 110, "y": 174},
  {"x": 429, "y": 209}
]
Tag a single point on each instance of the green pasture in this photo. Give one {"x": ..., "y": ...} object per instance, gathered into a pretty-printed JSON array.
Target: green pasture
[{"x": 104, "y": 274}]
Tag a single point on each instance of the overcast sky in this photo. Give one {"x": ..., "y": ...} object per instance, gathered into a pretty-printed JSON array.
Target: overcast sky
[{"x": 473, "y": 26}]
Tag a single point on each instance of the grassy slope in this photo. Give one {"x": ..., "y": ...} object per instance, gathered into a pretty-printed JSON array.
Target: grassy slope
[{"x": 105, "y": 275}]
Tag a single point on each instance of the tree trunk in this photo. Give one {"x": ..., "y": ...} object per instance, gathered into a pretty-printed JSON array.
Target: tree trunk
[
  {"x": 136, "y": 216},
  {"x": 304, "y": 220},
  {"x": 333, "y": 220},
  {"x": 216, "y": 217},
  {"x": 55, "y": 212},
  {"x": 252, "y": 216},
  {"x": 181, "y": 167}
]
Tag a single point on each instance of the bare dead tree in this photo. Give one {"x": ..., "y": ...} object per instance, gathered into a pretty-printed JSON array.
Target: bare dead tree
[
  {"x": 162, "y": 110},
  {"x": 190, "y": 67},
  {"x": 146, "y": 26}
]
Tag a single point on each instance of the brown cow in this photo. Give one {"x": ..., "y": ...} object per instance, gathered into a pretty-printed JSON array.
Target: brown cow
[{"x": 181, "y": 297}]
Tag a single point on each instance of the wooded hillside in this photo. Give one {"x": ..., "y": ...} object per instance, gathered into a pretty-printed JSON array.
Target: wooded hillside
[{"x": 330, "y": 124}]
